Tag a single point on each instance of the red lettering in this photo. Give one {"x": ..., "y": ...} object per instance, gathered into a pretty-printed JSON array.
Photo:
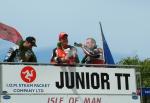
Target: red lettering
[
  {"x": 55, "y": 100},
  {"x": 76, "y": 100},
  {"x": 52, "y": 100},
  {"x": 61, "y": 100},
  {"x": 92, "y": 100},
  {"x": 98, "y": 100},
  {"x": 73, "y": 100},
  {"x": 48, "y": 100},
  {"x": 87, "y": 100}
]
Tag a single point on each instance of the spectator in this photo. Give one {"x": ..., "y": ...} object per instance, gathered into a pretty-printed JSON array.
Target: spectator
[{"x": 22, "y": 52}]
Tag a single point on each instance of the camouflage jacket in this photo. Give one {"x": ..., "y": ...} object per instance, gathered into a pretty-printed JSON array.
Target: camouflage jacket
[{"x": 20, "y": 54}]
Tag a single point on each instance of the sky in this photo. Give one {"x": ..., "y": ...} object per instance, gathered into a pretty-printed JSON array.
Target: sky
[{"x": 125, "y": 24}]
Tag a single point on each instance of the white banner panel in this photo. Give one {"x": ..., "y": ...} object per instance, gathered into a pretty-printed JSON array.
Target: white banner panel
[
  {"x": 71, "y": 99},
  {"x": 23, "y": 79}
]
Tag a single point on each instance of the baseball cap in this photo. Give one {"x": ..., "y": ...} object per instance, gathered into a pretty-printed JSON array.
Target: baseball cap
[
  {"x": 31, "y": 40},
  {"x": 62, "y": 35}
]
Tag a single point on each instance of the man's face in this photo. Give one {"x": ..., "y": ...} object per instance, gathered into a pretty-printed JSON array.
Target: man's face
[
  {"x": 64, "y": 41},
  {"x": 27, "y": 44},
  {"x": 90, "y": 44}
]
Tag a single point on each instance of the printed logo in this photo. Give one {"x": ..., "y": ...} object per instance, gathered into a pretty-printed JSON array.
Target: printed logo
[{"x": 28, "y": 74}]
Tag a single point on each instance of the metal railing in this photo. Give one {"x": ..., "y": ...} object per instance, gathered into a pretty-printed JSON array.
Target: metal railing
[{"x": 78, "y": 65}]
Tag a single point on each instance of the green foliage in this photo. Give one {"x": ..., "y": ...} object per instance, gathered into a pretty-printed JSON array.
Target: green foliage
[
  {"x": 143, "y": 67},
  {"x": 130, "y": 61},
  {"x": 145, "y": 70}
]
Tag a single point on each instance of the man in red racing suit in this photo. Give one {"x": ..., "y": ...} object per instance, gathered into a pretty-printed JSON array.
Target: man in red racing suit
[{"x": 64, "y": 53}]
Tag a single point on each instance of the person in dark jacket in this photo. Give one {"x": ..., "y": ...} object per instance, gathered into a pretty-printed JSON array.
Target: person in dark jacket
[
  {"x": 64, "y": 53},
  {"x": 22, "y": 52}
]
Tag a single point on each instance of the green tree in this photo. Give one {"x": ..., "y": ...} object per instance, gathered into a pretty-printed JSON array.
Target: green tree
[
  {"x": 142, "y": 66},
  {"x": 130, "y": 61}
]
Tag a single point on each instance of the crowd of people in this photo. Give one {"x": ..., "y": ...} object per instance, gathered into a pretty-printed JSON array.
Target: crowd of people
[{"x": 62, "y": 54}]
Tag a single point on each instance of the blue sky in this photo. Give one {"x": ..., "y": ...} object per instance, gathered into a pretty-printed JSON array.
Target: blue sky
[{"x": 125, "y": 23}]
